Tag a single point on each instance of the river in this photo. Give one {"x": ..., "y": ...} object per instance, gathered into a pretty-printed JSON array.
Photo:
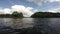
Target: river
[{"x": 49, "y": 25}]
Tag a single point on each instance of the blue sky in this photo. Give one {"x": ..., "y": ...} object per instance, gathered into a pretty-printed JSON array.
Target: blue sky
[
  {"x": 9, "y": 3},
  {"x": 29, "y": 7}
]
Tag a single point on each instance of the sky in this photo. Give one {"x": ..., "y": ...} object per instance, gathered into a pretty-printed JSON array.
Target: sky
[{"x": 29, "y": 7}]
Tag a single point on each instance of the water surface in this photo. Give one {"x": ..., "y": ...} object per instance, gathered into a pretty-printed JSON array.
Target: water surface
[{"x": 49, "y": 25}]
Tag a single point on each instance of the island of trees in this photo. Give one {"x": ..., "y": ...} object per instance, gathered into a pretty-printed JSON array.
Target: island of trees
[
  {"x": 45, "y": 15},
  {"x": 13, "y": 15}
]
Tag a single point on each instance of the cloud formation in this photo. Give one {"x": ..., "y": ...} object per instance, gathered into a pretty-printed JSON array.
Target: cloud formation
[
  {"x": 55, "y": 10},
  {"x": 54, "y": 0},
  {"x": 5, "y": 11},
  {"x": 27, "y": 11},
  {"x": 40, "y": 2},
  {"x": 48, "y": 5}
]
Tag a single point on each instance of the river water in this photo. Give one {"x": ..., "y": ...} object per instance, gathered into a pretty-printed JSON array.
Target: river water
[{"x": 49, "y": 25}]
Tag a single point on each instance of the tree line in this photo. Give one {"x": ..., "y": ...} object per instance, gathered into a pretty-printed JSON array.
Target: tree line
[
  {"x": 15, "y": 14},
  {"x": 45, "y": 15}
]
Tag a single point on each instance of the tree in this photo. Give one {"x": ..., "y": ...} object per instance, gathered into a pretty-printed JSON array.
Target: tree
[{"x": 17, "y": 15}]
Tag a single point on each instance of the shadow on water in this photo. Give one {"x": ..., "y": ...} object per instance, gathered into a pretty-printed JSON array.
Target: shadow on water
[{"x": 27, "y": 26}]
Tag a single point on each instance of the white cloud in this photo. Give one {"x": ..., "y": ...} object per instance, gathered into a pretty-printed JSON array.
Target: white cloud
[
  {"x": 1, "y": 11},
  {"x": 27, "y": 11},
  {"x": 54, "y": 0},
  {"x": 7, "y": 11},
  {"x": 39, "y": 2},
  {"x": 54, "y": 10}
]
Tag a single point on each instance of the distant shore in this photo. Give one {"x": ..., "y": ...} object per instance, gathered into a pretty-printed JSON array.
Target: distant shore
[
  {"x": 45, "y": 15},
  {"x": 35, "y": 15}
]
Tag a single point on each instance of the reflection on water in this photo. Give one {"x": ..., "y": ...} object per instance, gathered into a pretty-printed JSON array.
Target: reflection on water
[
  {"x": 49, "y": 25},
  {"x": 16, "y": 23}
]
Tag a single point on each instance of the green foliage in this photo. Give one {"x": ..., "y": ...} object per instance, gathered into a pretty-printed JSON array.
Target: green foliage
[
  {"x": 15, "y": 14},
  {"x": 46, "y": 15},
  {"x": 5, "y": 15}
]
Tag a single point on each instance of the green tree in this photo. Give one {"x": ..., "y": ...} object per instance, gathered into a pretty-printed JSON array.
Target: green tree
[{"x": 17, "y": 15}]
